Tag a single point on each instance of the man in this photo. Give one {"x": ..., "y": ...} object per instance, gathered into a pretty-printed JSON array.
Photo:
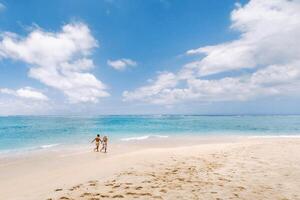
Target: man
[
  {"x": 97, "y": 141},
  {"x": 104, "y": 144}
]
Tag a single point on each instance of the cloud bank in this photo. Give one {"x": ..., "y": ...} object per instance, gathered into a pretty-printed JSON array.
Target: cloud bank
[
  {"x": 269, "y": 46},
  {"x": 60, "y": 60},
  {"x": 26, "y": 93}
]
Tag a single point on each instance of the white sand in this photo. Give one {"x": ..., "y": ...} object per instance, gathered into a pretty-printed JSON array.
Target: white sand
[{"x": 213, "y": 169}]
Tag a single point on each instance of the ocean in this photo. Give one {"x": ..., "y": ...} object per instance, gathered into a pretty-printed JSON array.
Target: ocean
[{"x": 29, "y": 133}]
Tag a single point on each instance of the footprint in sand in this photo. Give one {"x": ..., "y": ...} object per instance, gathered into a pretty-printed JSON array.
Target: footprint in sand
[
  {"x": 241, "y": 188},
  {"x": 75, "y": 187},
  {"x": 92, "y": 183},
  {"x": 86, "y": 194},
  {"x": 58, "y": 189},
  {"x": 116, "y": 186},
  {"x": 64, "y": 198},
  {"x": 180, "y": 179},
  {"x": 163, "y": 190},
  {"x": 145, "y": 194},
  {"x": 131, "y": 193},
  {"x": 118, "y": 196},
  {"x": 139, "y": 188},
  {"x": 224, "y": 179}
]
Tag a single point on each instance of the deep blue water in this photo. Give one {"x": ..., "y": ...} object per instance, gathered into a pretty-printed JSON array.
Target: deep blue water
[{"x": 22, "y": 132}]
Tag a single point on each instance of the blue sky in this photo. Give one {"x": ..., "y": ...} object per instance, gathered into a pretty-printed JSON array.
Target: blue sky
[{"x": 149, "y": 57}]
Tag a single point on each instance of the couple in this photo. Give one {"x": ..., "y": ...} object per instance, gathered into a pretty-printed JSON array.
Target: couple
[{"x": 97, "y": 141}]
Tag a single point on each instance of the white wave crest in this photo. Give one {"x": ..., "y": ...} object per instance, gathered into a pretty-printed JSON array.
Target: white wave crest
[
  {"x": 46, "y": 146},
  {"x": 274, "y": 136},
  {"x": 8, "y": 152},
  {"x": 144, "y": 137}
]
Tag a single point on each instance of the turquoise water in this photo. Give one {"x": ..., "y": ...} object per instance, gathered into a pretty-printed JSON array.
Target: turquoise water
[{"x": 29, "y": 133}]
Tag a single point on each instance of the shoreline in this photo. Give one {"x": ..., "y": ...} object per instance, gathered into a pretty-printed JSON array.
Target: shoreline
[
  {"x": 143, "y": 139},
  {"x": 116, "y": 147}
]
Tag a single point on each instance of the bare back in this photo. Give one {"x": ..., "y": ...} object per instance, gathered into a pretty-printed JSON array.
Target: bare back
[{"x": 105, "y": 139}]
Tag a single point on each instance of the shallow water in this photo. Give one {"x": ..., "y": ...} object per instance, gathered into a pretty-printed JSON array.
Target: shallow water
[{"x": 27, "y": 133}]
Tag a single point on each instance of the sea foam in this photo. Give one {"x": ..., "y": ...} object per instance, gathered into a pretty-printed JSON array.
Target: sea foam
[
  {"x": 46, "y": 146},
  {"x": 274, "y": 136},
  {"x": 144, "y": 137}
]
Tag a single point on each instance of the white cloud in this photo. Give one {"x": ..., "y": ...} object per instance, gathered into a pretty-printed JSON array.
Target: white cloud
[
  {"x": 58, "y": 59},
  {"x": 21, "y": 106},
  {"x": 26, "y": 93},
  {"x": 121, "y": 64},
  {"x": 269, "y": 44},
  {"x": 158, "y": 88}
]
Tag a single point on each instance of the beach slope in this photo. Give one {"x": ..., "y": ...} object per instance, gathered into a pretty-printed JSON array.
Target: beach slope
[{"x": 245, "y": 169}]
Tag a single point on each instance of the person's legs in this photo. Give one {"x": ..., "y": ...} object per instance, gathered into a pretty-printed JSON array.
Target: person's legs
[
  {"x": 97, "y": 147},
  {"x": 105, "y": 147}
]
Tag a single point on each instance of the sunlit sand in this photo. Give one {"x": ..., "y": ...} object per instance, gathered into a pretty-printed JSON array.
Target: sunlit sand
[{"x": 241, "y": 168}]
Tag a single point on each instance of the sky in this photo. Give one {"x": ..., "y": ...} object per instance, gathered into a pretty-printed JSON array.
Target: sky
[{"x": 98, "y": 57}]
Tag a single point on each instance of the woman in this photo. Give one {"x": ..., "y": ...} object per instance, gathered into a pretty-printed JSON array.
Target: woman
[{"x": 104, "y": 144}]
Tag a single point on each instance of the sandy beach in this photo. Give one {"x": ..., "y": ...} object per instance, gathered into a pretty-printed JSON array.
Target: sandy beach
[
  {"x": 240, "y": 168},
  {"x": 198, "y": 100}
]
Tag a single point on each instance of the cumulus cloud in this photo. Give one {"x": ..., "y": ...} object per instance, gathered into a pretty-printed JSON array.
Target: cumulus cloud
[
  {"x": 121, "y": 64},
  {"x": 159, "y": 88},
  {"x": 58, "y": 59},
  {"x": 269, "y": 45},
  {"x": 26, "y": 93}
]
